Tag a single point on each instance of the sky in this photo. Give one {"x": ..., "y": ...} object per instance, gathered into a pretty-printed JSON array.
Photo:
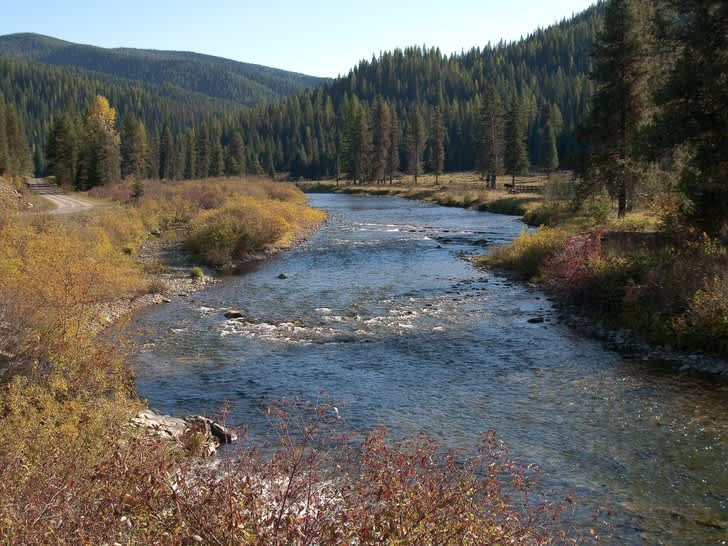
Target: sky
[{"x": 316, "y": 37}]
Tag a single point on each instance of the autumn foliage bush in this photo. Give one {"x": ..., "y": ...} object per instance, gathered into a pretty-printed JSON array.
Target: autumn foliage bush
[
  {"x": 527, "y": 253},
  {"x": 672, "y": 289},
  {"x": 221, "y": 220},
  {"x": 316, "y": 484}
]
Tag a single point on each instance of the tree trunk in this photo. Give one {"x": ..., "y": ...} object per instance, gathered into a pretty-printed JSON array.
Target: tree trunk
[{"x": 622, "y": 198}]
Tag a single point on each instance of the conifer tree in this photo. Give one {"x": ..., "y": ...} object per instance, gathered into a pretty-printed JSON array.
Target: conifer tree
[
  {"x": 437, "y": 144},
  {"x": 394, "y": 138},
  {"x": 235, "y": 165},
  {"x": 619, "y": 104},
  {"x": 166, "y": 155},
  {"x": 203, "y": 152},
  {"x": 190, "y": 168},
  {"x": 549, "y": 152},
  {"x": 693, "y": 103},
  {"x": 490, "y": 136},
  {"x": 381, "y": 134},
  {"x": 134, "y": 148},
  {"x": 154, "y": 146},
  {"x": 515, "y": 157},
  {"x": 62, "y": 150},
  {"x": 18, "y": 151},
  {"x": 357, "y": 142},
  {"x": 217, "y": 155},
  {"x": 416, "y": 138}
]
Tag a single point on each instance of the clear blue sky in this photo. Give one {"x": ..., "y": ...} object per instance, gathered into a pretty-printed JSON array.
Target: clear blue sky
[{"x": 317, "y": 37}]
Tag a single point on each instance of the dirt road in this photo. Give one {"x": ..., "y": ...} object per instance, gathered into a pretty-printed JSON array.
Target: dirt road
[{"x": 65, "y": 204}]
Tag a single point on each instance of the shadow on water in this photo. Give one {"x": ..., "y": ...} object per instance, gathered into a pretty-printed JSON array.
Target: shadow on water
[{"x": 380, "y": 310}]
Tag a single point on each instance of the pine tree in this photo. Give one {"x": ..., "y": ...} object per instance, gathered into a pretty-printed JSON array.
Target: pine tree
[
  {"x": 235, "y": 165},
  {"x": 357, "y": 143},
  {"x": 18, "y": 154},
  {"x": 415, "y": 142},
  {"x": 217, "y": 155},
  {"x": 153, "y": 165},
  {"x": 549, "y": 152},
  {"x": 134, "y": 148},
  {"x": 620, "y": 102},
  {"x": 190, "y": 159},
  {"x": 437, "y": 144},
  {"x": 693, "y": 103},
  {"x": 515, "y": 157},
  {"x": 394, "y": 138},
  {"x": 166, "y": 155},
  {"x": 203, "y": 152},
  {"x": 381, "y": 135},
  {"x": 62, "y": 150},
  {"x": 490, "y": 136}
]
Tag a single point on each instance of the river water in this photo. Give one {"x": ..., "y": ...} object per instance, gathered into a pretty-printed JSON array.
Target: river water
[{"x": 380, "y": 310}]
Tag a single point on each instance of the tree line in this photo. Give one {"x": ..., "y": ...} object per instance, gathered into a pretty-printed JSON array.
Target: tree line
[{"x": 304, "y": 134}]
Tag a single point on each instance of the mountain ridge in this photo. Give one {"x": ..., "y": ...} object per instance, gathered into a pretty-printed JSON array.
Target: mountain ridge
[{"x": 247, "y": 83}]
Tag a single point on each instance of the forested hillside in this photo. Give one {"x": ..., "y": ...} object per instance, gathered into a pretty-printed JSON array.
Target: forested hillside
[
  {"x": 198, "y": 98},
  {"x": 245, "y": 83}
]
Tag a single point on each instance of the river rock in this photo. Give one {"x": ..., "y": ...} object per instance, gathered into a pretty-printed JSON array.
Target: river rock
[
  {"x": 161, "y": 425},
  {"x": 233, "y": 314},
  {"x": 282, "y": 276},
  {"x": 536, "y": 320},
  {"x": 221, "y": 433}
]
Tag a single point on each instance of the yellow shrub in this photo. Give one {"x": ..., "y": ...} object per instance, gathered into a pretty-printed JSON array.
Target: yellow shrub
[
  {"x": 51, "y": 278},
  {"x": 527, "y": 252}
]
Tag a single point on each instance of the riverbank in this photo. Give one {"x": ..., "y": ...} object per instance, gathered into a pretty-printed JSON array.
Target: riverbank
[
  {"x": 668, "y": 290},
  {"x": 463, "y": 190}
]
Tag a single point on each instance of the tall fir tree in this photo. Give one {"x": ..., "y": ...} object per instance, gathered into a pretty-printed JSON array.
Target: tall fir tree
[
  {"x": 235, "y": 165},
  {"x": 134, "y": 148},
  {"x": 437, "y": 144},
  {"x": 217, "y": 155},
  {"x": 549, "y": 152},
  {"x": 693, "y": 103},
  {"x": 62, "y": 150},
  {"x": 204, "y": 153},
  {"x": 18, "y": 152},
  {"x": 154, "y": 147},
  {"x": 357, "y": 142},
  {"x": 620, "y": 103},
  {"x": 394, "y": 140},
  {"x": 515, "y": 157},
  {"x": 489, "y": 157},
  {"x": 190, "y": 159},
  {"x": 381, "y": 133},
  {"x": 166, "y": 155},
  {"x": 416, "y": 138}
]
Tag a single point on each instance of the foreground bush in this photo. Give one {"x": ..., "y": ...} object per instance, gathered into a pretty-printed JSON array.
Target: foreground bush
[{"x": 318, "y": 486}]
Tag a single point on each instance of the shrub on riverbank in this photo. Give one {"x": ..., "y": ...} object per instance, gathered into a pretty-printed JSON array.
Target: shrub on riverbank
[
  {"x": 220, "y": 220},
  {"x": 672, "y": 291},
  {"x": 527, "y": 253}
]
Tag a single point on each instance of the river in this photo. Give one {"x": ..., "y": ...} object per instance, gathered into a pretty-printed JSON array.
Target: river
[{"x": 380, "y": 310}]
